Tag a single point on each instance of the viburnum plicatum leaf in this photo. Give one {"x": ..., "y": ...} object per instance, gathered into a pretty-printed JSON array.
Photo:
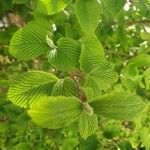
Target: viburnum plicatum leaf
[
  {"x": 88, "y": 13},
  {"x": 66, "y": 56},
  {"x": 30, "y": 41},
  {"x": 113, "y": 6},
  {"x": 50, "y": 7},
  {"x": 101, "y": 78},
  {"x": 117, "y": 105},
  {"x": 142, "y": 60},
  {"x": 56, "y": 112},
  {"x": 28, "y": 87},
  {"x": 87, "y": 124},
  {"x": 65, "y": 87},
  {"x": 91, "y": 54}
]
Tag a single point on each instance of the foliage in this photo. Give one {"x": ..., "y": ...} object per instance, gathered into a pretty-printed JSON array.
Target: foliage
[{"x": 81, "y": 72}]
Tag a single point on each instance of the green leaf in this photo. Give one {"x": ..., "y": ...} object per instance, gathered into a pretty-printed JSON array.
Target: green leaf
[
  {"x": 87, "y": 124},
  {"x": 144, "y": 136},
  {"x": 131, "y": 71},
  {"x": 66, "y": 56},
  {"x": 111, "y": 131},
  {"x": 65, "y": 87},
  {"x": 118, "y": 105},
  {"x": 145, "y": 36},
  {"x": 56, "y": 112},
  {"x": 88, "y": 13},
  {"x": 28, "y": 87},
  {"x": 129, "y": 84},
  {"x": 91, "y": 54},
  {"x": 101, "y": 78},
  {"x": 114, "y": 6},
  {"x": 141, "y": 60},
  {"x": 30, "y": 42},
  {"x": 23, "y": 146},
  {"x": 50, "y": 7},
  {"x": 125, "y": 145},
  {"x": 69, "y": 143}
]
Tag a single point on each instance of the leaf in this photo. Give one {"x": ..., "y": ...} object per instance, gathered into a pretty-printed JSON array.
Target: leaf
[
  {"x": 69, "y": 144},
  {"x": 28, "y": 87},
  {"x": 65, "y": 87},
  {"x": 50, "y": 7},
  {"x": 87, "y": 124},
  {"x": 141, "y": 60},
  {"x": 145, "y": 36},
  {"x": 55, "y": 112},
  {"x": 101, "y": 78},
  {"x": 91, "y": 54},
  {"x": 114, "y": 6},
  {"x": 125, "y": 145},
  {"x": 111, "y": 131},
  {"x": 66, "y": 56},
  {"x": 30, "y": 42},
  {"x": 144, "y": 136},
  {"x": 88, "y": 13},
  {"x": 131, "y": 71},
  {"x": 129, "y": 84},
  {"x": 118, "y": 105}
]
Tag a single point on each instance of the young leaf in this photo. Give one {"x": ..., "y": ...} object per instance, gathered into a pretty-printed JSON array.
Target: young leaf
[
  {"x": 101, "y": 78},
  {"x": 30, "y": 41},
  {"x": 118, "y": 105},
  {"x": 28, "y": 87},
  {"x": 56, "y": 112},
  {"x": 88, "y": 13},
  {"x": 50, "y": 7},
  {"x": 65, "y": 87},
  {"x": 87, "y": 124},
  {"x": 91, "y": 54},
  {"x": 114, "y": 6},
  {"x": 66, "y": 56},
  {"x": 141, "y": 60}
]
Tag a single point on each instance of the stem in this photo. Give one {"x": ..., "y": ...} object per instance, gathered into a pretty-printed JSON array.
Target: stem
[{"x": 77, "y": 76}]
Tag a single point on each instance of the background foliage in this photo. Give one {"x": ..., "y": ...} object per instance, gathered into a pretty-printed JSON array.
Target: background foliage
[{"x": 124, "y": 32}]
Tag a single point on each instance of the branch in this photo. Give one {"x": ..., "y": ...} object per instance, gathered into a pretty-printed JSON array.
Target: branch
[{"x": 146, "y": 21}]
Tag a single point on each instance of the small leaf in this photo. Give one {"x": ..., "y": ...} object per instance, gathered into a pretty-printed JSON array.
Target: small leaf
[
  {"x": 125, "y": 145},
  {"x": 145, "y": 36},
  {"x": 144, "y": 136},
  {"x": 101, "y": 78},
  {"x": 65, "y": 87},
  {"x": 131, "y": 71},
  {"x": 51, "y": 7},
  {"x": 91, "y": 54},
  {"x": 56, "y": 112},
  {"x": 30, "y": 42},
  {"x": 88, "y": 13},
  {"x": 87, "y": 124},
  {"x": 141, "y": 60},
  {"x": 118, "y": 105},
  {"x": 66, "y": 56},
  {"x": 28, "y": 87}
]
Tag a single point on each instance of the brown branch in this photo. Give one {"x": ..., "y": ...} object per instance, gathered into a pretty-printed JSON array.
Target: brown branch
[{"x": 145, "y": 21}]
